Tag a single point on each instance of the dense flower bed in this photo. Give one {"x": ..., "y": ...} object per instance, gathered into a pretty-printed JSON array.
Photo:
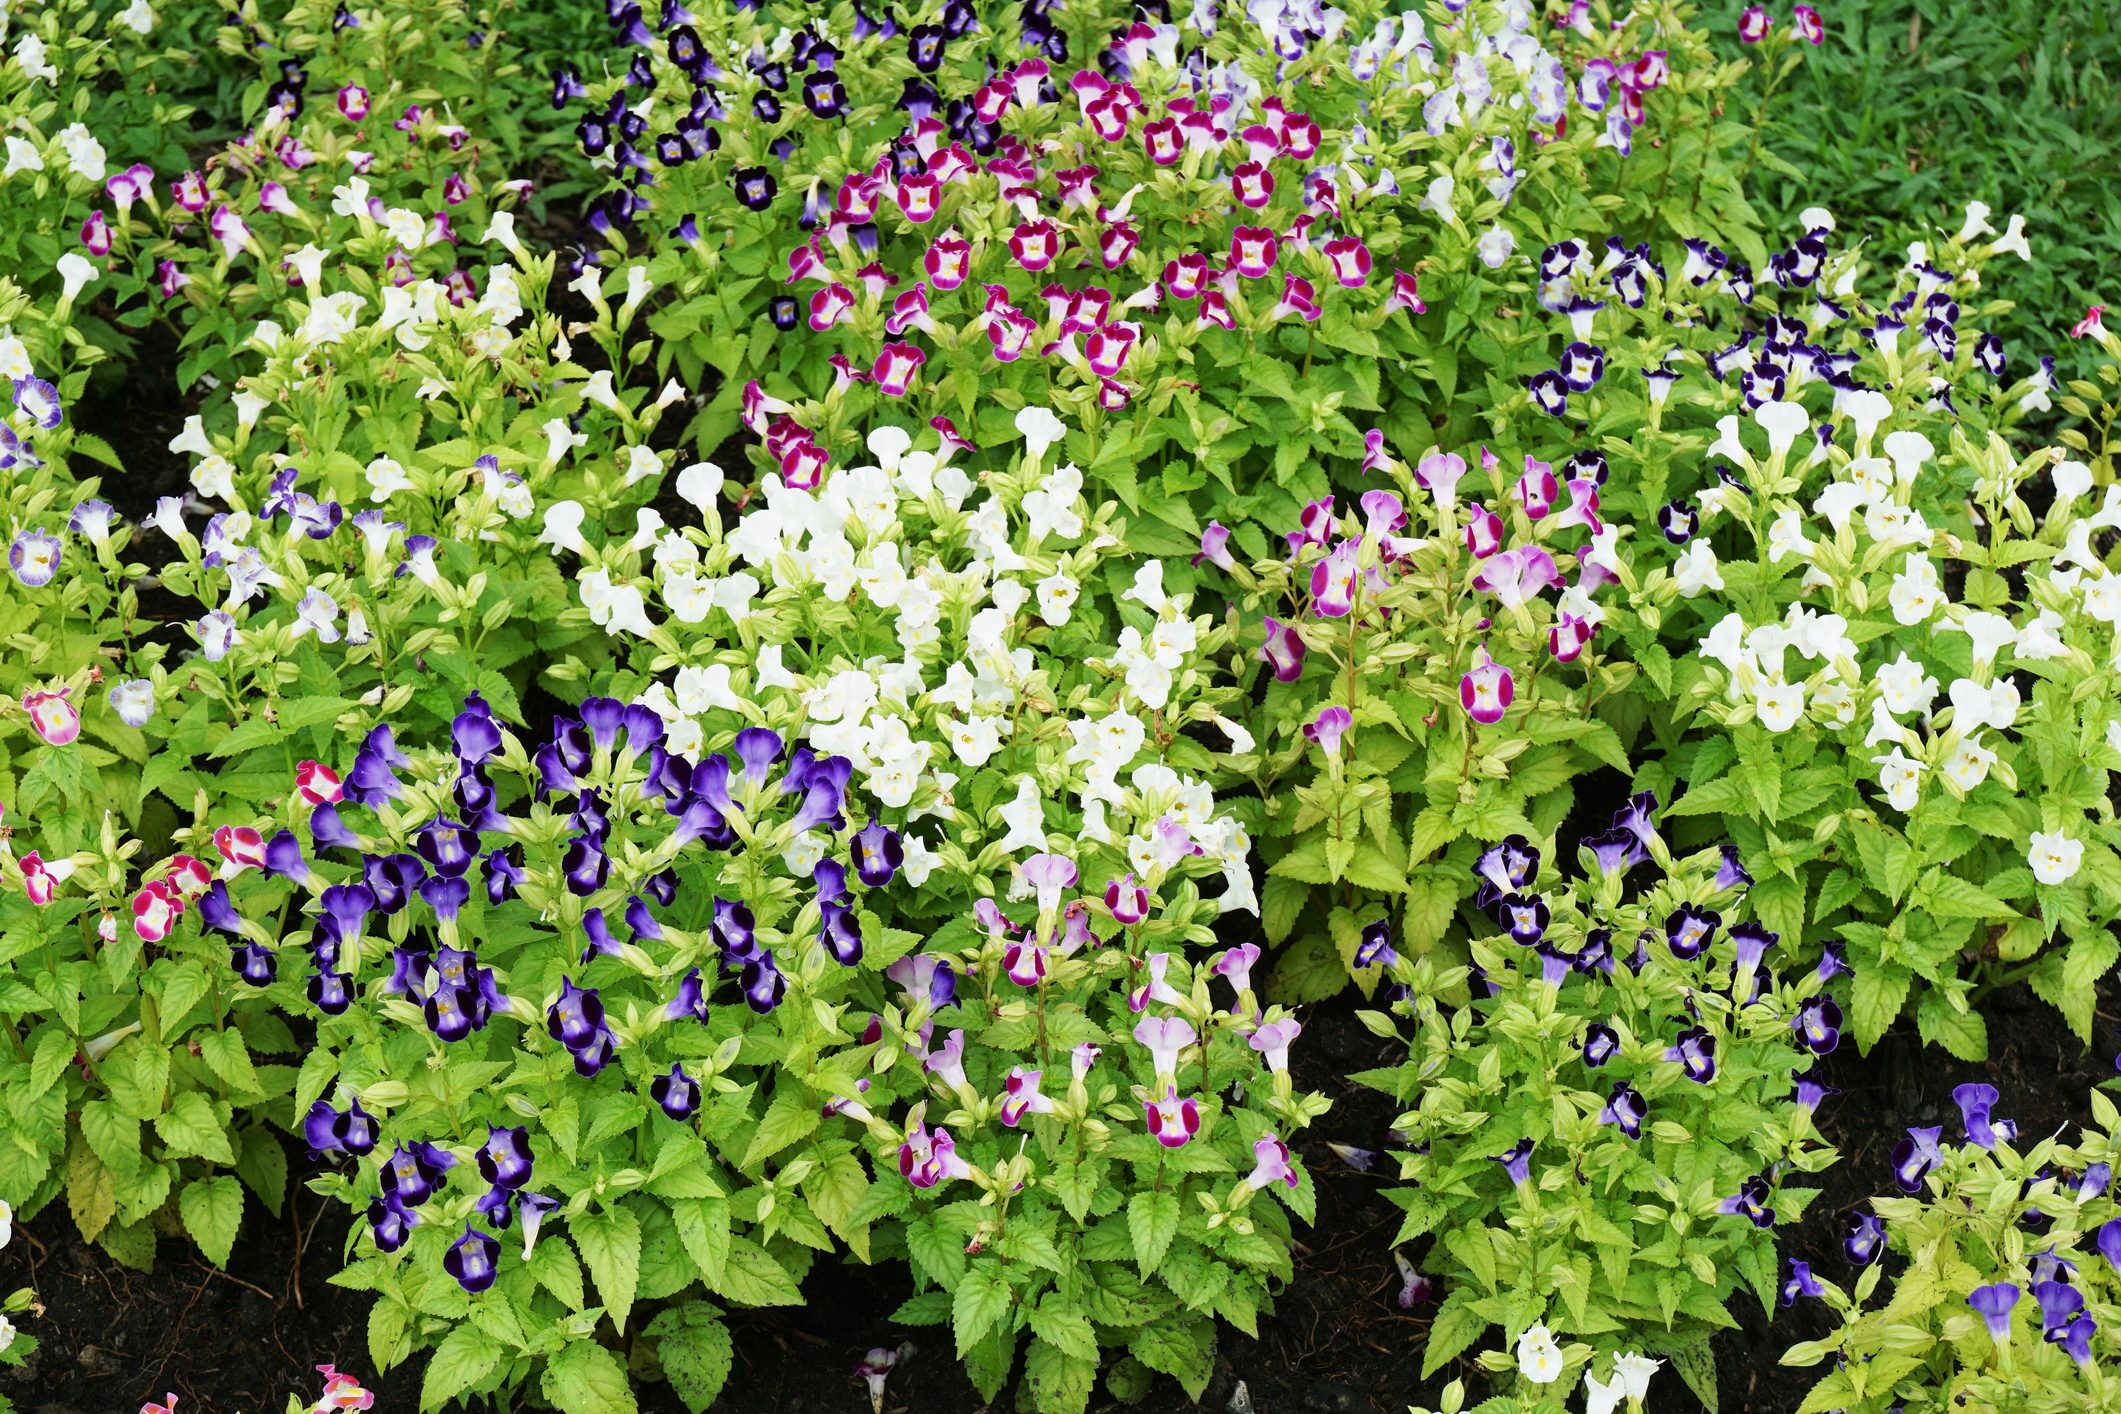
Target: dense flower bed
[{"x": 848, "y": 705}]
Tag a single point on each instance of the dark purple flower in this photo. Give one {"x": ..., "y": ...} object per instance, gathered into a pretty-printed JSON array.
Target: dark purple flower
[
  {"x": 762, "y": 983},
  {"x": 328, "y": 831},
  {"x": 1914, "y": 1156},
  {"x": 1801, "y": 1282},
  {"x": 735, "y": 931},
  {"x": 1506, "y": 868},
  {"x": 676, "y": 1093},
  {"x": 411, "y": 1175},
  {"x": 689, "y": 1000},
  {"x": 1524, "y": 917},
  {"x": 1600, "y": 1041},
  {"x": 283, "y": 857},
  {"x": 2059, "y": 1301},
  {"x": 447, "y": 847},
  {"x": 1626, "y": 1108},
  {"x": 841, "y": 933},
  {"x": 503, "y": 876},
  {"x": 331, "y": 992},
  {"x": 1975, "y": 1102},
  {"x": 1689, "y": 929},
  {"x": 577, "y": 1017},
  {"x": 1375, "y": 949},
  {"x": 1752, "y": 941},
  {"x": 1865, "y": 1239},
  {"x": 1731, "y": 874},
  {"x": 1818, "y": 1025},
  {"x": 473, "y": 1259},
  {"x": 505, "y": 1158},
  {"x": 585, "y": 865},
  {"x": 390, "y": 1223},
  {"x": 1751, "y": 1202},
  {"x": 600, "y": 940},
  {"x": 758, "y": 749},
  {"x": 640, "y": 920},
  {"x": 877, "y": 854},
  {"x": 328, "y": 1131},
  {"x": 1695, "y": 1050}
]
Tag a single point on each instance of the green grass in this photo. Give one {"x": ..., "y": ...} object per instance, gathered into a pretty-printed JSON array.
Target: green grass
[{"x": 1912, "y": 108}]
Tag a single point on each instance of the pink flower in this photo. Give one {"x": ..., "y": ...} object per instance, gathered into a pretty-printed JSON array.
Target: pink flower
[
  {"x": 948, "y": 262},
  {"x": 1537, "y": 488},
  {"x": 318, "y": 784},
  {"x": 1333, "y": 581},
  {"x": 353, "y": 106},
  {"x": 1296, "y": 298},
  {"x": 37, "y": 881},
  {"x": 1487, "y": 691},
  {"x": 1020, "y": 1096},
  {"x": 156, "y": 907},
  {"x": 1271, "y": 1164},
  {"x": 830, "y": 305},
  {"x": 1567, "y": 639},
  {"x": 167, "y": 1406},
  {"x": 241, "y": 846},
  {"x": 1161, "y": 141},
  {"x": 1173, "y": 1121},
  {"x": 928, "y": 1158},
  {"x": 1406, "y": 294},
  {"x": 1273, "y": 1039},
  {"x": 95, "y": 234},
  {"x": 1252, "y": 184},
  {"x": 1116, "y": 243},
  {"x": 1035, "y": 244},
  {"x": 1235, "y": 964},
  {"x": 1483, "y": 532},
  {"x": 920, "y": 196},
  {"x": 1252, "y": 251},
  {"x": 1025, "y": 963},
  {"x": 1516, "y": 576},
  {"x": 1328, "y": 728},
  {"x": 2090, "y": 323},
  {"x": 55, "y": 720},
  {"x": 1107, "y": 348},
  {"x": 895, "y": 369},
  {"x": 1350, "y": 259},
  {"x": 1187, "y": 275},
  {"x": 1283, "y": 651},
  {"x": 1439, "y": 473},
  {"x": 1808, "y": 24},
  {"x": 1754, "y": 24},
  {"x": 342, "y": 1392},
  {"x": 1127, "y": 900},
  {"x": 190, "y": 192},
  {"x": 191, "y": 877},
  {"x": 1300, "y": 137}
]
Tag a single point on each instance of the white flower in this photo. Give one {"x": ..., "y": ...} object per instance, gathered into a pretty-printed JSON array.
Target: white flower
[
  {"x": 2012, "y": 241},
  {"x": 700, "y": 689},
  {"x": 1494, "y": 246},
  {"x": 1056, "y": 597},
  {"x": 688, "y": 597},
  {"x": 1908, "y": 450},
  {"x": 1867, "y": 408},
  {"x": 888, "y": 445},
  {"x": 1990, "y": 633},
  {"x": 1917, "y": 592},
  {"x": 1900, "y": 778},
  {"x": 2102, "y": 598},
  {"x": 1816, "y": 218},
  {"x": 22, "y": 156},
  {"x": 1784, "y": 423},
  {"x": 502, "y": 229},
  {"x": 559, "y": 439},
  {"x": 1975, "y": 706},
  {"x": 1727, "y": 443},
  {"x": 1602, "y": 1398},
  {"x": 2038, "y": 642},
  {"x": 803, "y": 853},
  {"x": 1025, "y": 817},
  {"x": 1040, "y": 429},
  {"x": 215, "y": 478},
  {"x": 1904, "y": 686},
  {"x": 1976, "y": 225},
  {"x": 2072, "y": 479},
  {"x": 7, "y": 1333},
  {"x": 973, "y": 740},
  {"x": 1148, "y": 587},
  {"x": 1779, "y": 704},
  {"x": 1968, "y": 764},
  {"x": 75, "y": 271},
  {"x": 386, "y": 478},
  {"x": 351, "y": 199},
  {"x": 920, "y": 859},
  {"x": 7, "y": 1228},
  {"x": 31, "y": 55},
  {"x": 2055, "y": 857},
  {"x": 1786, "y": 535},
  {"x": 563, "y": 527},
  {"x": 1538, "y": 1357},
  {"x": 1634, "y": 1371},
  {"x": 641, "y": 463},
  {"x": 1696, "y": 569},
  {"x": 318, "y": 612}
]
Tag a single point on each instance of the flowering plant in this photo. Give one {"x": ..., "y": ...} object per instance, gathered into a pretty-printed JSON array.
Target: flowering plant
[
  {"x": 1897, "y": 672},
  {"x": 1600, "y": 1135},
  {"x": 2013, "y": 1249},
  {"x": 1210, "y": 278}
]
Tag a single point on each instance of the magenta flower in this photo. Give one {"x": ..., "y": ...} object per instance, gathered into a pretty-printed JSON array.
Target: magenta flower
[
  {"x": 190, "y": 192},
  {"x": 1283, "y": 651},
  {"x": 1753, "y": 25},
  {"x": 1350, "y": 260},
  {"x": 1215, "y": 546},
  {"x": 353, "y": 103},
  {"x": 1439, "y": 473},
  {"x": 1483, "y": 532},
  {"x": 1020, "y": 1096},
  {"x": 1808, "y": 24},
  {"x": 1569, "y": 636},
  {"x": 895, "y": 369},
  {"x": 1297, "y": 298},
  {"x": 95, "y": 234},
  {"x": 1327, "y": 729},
  {"x": 1171, "y": 1120},
  {"x": 1253, "y": 250},
  {"x": 1537, "y": 489},
  {"x": 1383, "y": 513},
  {"x": 1487, "y": 691},
  {"x": 1234, "y": 965},
  {"x": 1127, "y": 900},
  {"x": 928, "y": 1158},
  {"x": 1516, "y": 576},
  {"x": 1333, "y": 581},
  {"x": 1406, "y": 294},
  {"x": 1034, "y": 244},
  {"x": 55, "y": 720}
]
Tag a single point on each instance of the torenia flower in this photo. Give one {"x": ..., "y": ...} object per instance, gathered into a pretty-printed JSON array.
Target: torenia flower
[
  {"x": 1539, "y": 1358},
  {"x": 1634, "y": 1371},
  {"x": 1487, "y": 690},
  {"x": 2054, "y": 856},
  {"x": 1900, "y": 778},
  {"x": 55, "y": 720},
  {"x": 134, "y": 701},
  {"x": 1171, "y": 1120}
]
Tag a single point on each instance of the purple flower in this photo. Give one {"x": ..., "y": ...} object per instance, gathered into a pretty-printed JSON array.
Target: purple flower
[
  {"x": 327, "y": 1131},
  {"x": 2059, "y": 1302},
  {"x": 1524, "y": 917},
  {"x": 1214, "y": 546},
  {"x": 34, "y": 556},
  {"x": 1865, "y": 1239},
  {"x": 473, "y": 1259},
  {"x": 677, "y": 1093},
  {"x": 1506, "y": 868},
  {"x": 505, "y": 1159},
  {"x": 1516, "y": 1161},
  {"x": 1818, "y": 1025},
  {"x": 390, "y": 1223},
  {"x": 1811, "y": 1092},
  {"x": 1328, "y": 727},
  {"x": 1333, "y": 580},
  {"x": 1626, "y": 1108},
  {"x": 929, "y": 1157},
  {"x": 1600, "y": 1041},
  {"x": 1283, "y": 651},
  {"x": 1487, "y": 689},
  {"x": 1731, "y": 874},
  {"x": 473, "y": 733},
  {"x": 1689, "y": 929},
  {"x": 1801, "y": 1282},
  {"x": 762, "y": 983},
  {"x": 1975, "y": 1101},
  {"x": 1375, "y": 949},
  {"x": 283, "y": 857},
  {"x": 1695, "y": 1050},
  {"x": 877, "y": 853},
  {"x": 577, "y": 1017},
  {"x": 1751, "y": 1202},
  {"x": 38, "y": 401},
  {"x": 411, "y": 1175},
  {"x": 1752, "y": 941},
  {"x": 1914, "y": 1156},
  {"x": 1994, "y": 1303},
  {"x": 2109, "y": 1239}
]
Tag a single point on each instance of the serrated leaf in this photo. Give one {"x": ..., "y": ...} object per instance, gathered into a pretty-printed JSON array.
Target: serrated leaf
[
  {"x": 191, "y": 1127},
  {"x": 752, "y": 1278},
  {"x": 1058, "y": 1381},
  {"x": 585, "y": 1378},
  {"x": 696, "y": 1352},
  {"x": 610, "y": 1243},
  {"x": 212, "y": 1209},
  {"x": 1152, "y": 1220},
  {"x": 466, "y": 1356},
  {"x": 978, "y": 1305}
]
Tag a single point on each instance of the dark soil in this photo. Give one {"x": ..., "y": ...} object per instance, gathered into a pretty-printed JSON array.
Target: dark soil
[{"x": 1338, "y": 1344}]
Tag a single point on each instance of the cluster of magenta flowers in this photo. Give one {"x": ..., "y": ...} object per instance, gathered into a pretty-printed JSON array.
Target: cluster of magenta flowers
[{"x": 941, "y": 216}]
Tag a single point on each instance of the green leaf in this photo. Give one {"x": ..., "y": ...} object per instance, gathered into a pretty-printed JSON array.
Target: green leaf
[
  {"x": 1875, "y": 998},
  {"x": 191, "y": 1127},
  {"x": 552, "y": 1262},
  {"x": 978, "y": 1305},
  {"x": 229, "y": 1058},
  {"x": 1696, "y": 1365},
  {"x": 1184, "y": 1350},
  {"x": 791, "y": 1116},
  {"x": 752, "y": 1278},
  {"x": 212, "y": 1209},
  {"x": 611, "y": 1247},
  {"x": 585, "y": 1378},
  {"x": 1453, "y": 1332},
  {"x": 1948, "y": 896},
  {"x": 696, "y": 1352},
  {"x": 1066, "y": 1328},
  {"x": 54, "y": 1048},
  {"x": 466, "y": 1356},
  {"x": 1152, "y": 1218},
  {"x": 1058, "y": 1381},
  {"x": 1963, "y": 1033},
  {"x": 703, "y": 1226}
]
